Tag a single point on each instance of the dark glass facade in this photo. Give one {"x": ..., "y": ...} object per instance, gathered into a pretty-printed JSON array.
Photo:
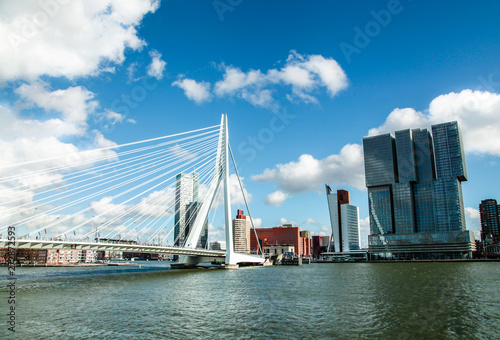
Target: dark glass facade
[
  {"x": 415, "y": 193},
  {"x": 489, "y": 211}
]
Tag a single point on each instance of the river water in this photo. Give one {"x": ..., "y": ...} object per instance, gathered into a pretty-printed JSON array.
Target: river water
[{"x": 316, "y": 301}]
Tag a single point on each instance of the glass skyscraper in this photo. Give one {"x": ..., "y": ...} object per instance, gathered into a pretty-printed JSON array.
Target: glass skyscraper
[
  {"x": 415, "y": 194},
  {"x": 186, "y": 209}
]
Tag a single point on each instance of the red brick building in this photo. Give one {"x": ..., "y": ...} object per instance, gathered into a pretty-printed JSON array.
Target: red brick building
[{"x": 286, "y": 234}]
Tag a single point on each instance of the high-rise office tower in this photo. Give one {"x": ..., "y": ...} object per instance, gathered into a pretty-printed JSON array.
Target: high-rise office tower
[
  {"x": 415, "y": 194},
  {"x": 241, "y": 233},
  {"x": 344, "y": 219},
  {"x": 186, "y": 192},
  {"x": 489, "y": 211}
]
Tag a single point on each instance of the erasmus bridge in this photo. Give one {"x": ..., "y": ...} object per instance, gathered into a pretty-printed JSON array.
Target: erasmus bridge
[{"x": 123, "y": 198}]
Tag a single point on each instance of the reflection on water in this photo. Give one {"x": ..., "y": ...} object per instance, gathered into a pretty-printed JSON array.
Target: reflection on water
[{"x": 339, "y": 301}]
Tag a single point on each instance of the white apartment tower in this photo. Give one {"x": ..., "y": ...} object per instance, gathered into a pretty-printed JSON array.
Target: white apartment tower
[
  {"x": 344, "y": 219},
  {"x": 186, "y": 192}
]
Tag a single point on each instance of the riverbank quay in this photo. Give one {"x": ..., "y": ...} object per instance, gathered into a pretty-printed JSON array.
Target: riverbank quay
[
  {"x": 71, "y": 265},
  {"x": 403, "y": 261}
]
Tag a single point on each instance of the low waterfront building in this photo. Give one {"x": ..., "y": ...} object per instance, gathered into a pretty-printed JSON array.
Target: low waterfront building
[
  {"x": 63, "y": 256},
  {"x": 285, "y": 234},
  {"x": 140, "y": 256},
  {"x": 218, "y": 245},
  {"x": 24, "y": 256},
  {"x": 276, "y": 249},
  {"x": 320, "y": 245}
]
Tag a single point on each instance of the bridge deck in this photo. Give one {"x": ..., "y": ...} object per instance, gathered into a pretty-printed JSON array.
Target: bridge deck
[{"x": 136, "y": 248}]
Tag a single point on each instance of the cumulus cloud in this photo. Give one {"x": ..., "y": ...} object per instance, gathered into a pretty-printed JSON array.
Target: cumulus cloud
[
  {"x": 63, "y": 39},
  {"x": 23, "y": 162},
  {"x": 196, "y": 91},
  {"x": 477, "y": 113},
  {"x": 400, "y": 119},
  {"x": 473, "y": 221},
  {"x": 114, "y": 117},
  {"x": 157, "y": 204},
  {"x": 74, "y": 104},
  {"x": 235, "y": 194},
  {"x": 257, "y": 222},
  {"x": 471, "y": 213},
  {"x": 310, "y": 174},
  {"x": 276, "y": 198},
  {"x": 311, "y": 221},
  {"x": 69, "y": 39},
  {"x": 157, "y": 66},
  {"x": 364, "y": 231},
  {"x": 325, "y": 231},
  {"x": 304, "y": 75},
  {"x": 217, "y": 234}
]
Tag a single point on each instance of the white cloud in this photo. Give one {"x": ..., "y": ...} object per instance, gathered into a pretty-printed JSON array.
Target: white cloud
[
  {"x": 131, "y": 69},
  {"x": 285, "y": 221},
  {"x": 257, "y": 222},
  {"x": 235, "y": 193},
  {"x": 234, "y": 80},
  {"x": 13, "y": 126},
  {"x": 261, "y": 98},
  {"x": 325, "y": 231},
  {"x": 157, "y": 66},
  {"x": 217, "y": 234},
  {"x": 400, "y": 119},
  {"x": 69, "y": 39},
  {"x": 106, "y": 208},
  {"x": 473, "y": 221},
  {"x": 311, "y": 221},
  {"x": 364, "y": 231},
  {"x": 199, "y": 92},
  {"x": 329, "y": 72},
  {"x": 310, "y": 174},
  {"x": 304, "y": 74},
  {"x": 471, "y": 213},
  {"x": 114, "y": 117},
  {"x": 477, "y": 113},
  {"x": 75, "y": 103},
  {"x": 23, "y": 185},
  {"x": 276, "y": 198}
]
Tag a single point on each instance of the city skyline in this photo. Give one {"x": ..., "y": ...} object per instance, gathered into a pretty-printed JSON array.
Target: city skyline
[{"x": 302, "y": 86}]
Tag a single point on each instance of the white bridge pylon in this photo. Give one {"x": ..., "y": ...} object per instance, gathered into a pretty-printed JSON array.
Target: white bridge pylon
[
  {"x": 221, "y": 177},
  {"x": 111, "y": 192}
]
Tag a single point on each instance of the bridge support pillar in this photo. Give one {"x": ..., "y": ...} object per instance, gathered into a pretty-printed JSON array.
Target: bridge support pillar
[{"x": 190, "y": 262}]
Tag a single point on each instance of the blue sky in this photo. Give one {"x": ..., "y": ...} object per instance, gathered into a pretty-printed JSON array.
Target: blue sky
[{"x": 306, "y": 81}]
